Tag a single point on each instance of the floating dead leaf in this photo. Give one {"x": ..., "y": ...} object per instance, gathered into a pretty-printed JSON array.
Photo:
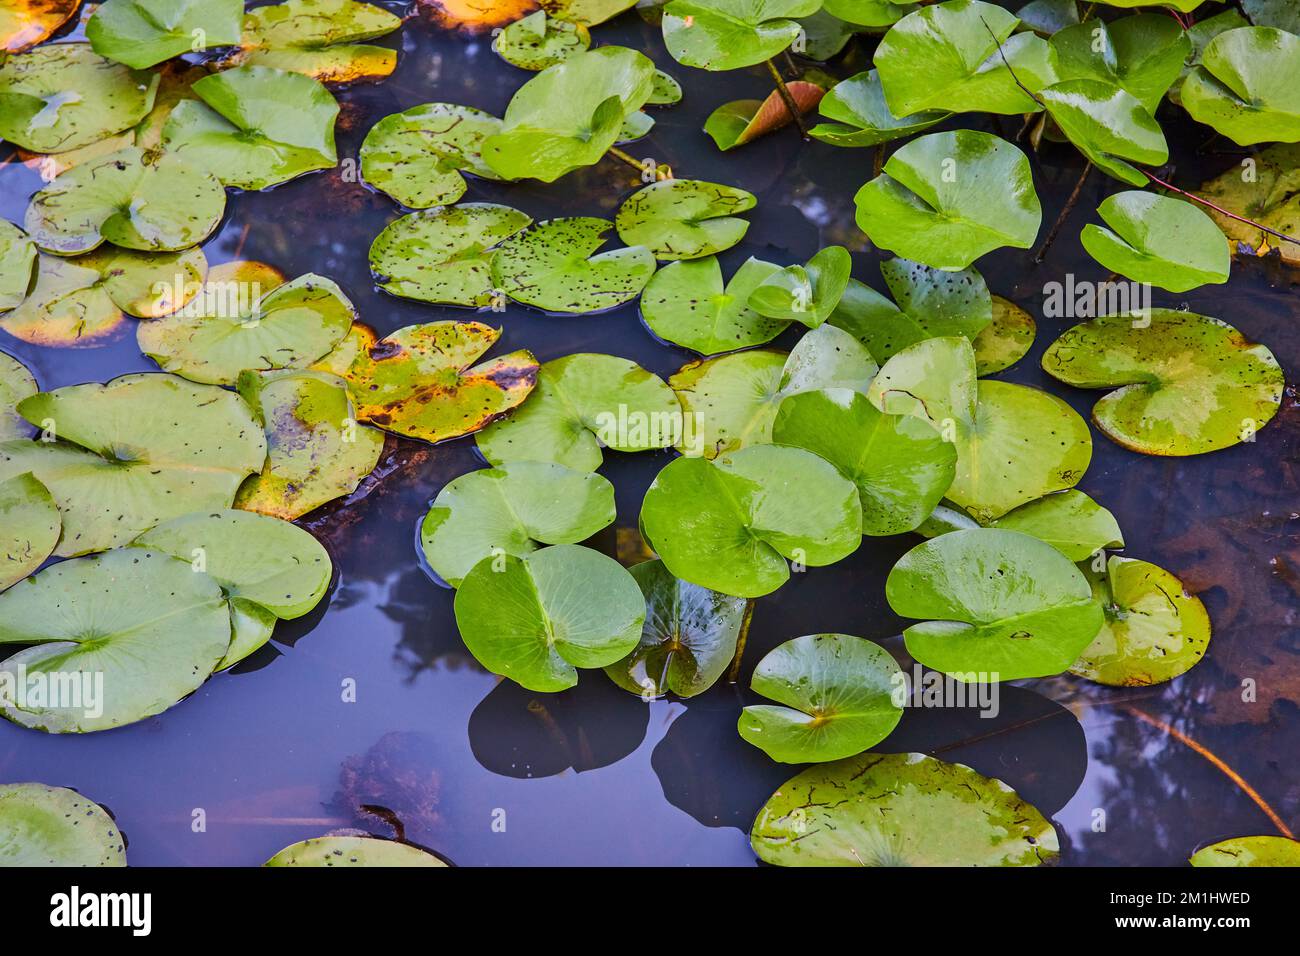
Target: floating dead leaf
[
  {"x": 474, "y": 16},
  {"x": 742, "y": 121},
  {"x": 25, "y": 23}
]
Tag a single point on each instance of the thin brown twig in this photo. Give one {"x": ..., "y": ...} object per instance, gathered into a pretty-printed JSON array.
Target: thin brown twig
[
  {"x": 1065, "y": 212},
  {"x": 787, "y": 98},
  {"x": 733, "y": 673}
]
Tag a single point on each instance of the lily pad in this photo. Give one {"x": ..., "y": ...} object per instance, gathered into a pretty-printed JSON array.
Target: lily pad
[
  {"x": 665, "y": 90},
  {"x": 806, "y": 294},
  {"x": 319, "y": 38},
  {"x": 1273, "y": 13},
  {"x": 684, "y": 218},
  {"x": 29, "y": 527},
  {"x": 1248, "y": 86},
  {"x": 688, "y": 639},
  {"x": 17, "y": 265},
  {"x": 352, "y": 851},
  {"x": 996, "y": 605},
  {"x": 134, "y": 453},
  {"x": 859, "y": 115},
  {"x": 1142, "y": 54},
  {"x": 1158, "y": 240},
  {"x": 25, "y": 23},
  {"x": 585, "y": 402},
  {"x": 256, "y": 127},
  {"x": 1153, "y": 632},
  {"x": 421, "y": 382},
  {"x": 143, "y": 33},
  {"x": 135, "y": 199},
  {"x": 543, "y": 616},
  {"x": 686, "y": 303},
  {"x": 587, "y": 12},
  {"x": 418, "y": 156},
  {"x": 1047, "y": 17},
  {"x": 315, "y": 450},
  {"x": 512, "y": 509},
  {"x": 1004, "y": 341},
  {"x": 730, "y": 34},
  {"x": 730, "y": 524},
  {"x": 1069, "y": 521},
  {"x": 1249, "y": 851},
  {"x": 836, "y": 694},
  {"x": 743, "y": 121},
  {"x": 946, "y": 199},
  {"x": 64, "y": 96},
  {"x": 868, "y": 13},
  {"x": 538, "y": 41},
  {"x": 1184, "y": 383},
  {"x": 933, "y": 380},
  {"x": 444, "y": 255},
  {"x": 54, "y": 826},
  {"x": 552, "y": 266},
  {"x": 145, "y": 621},
  {"x": 16, "y": 383},
  {"x": 1109, "y": 126},
  {"x": 1269, "y": 195},
  {"x": 900, "y": 810}
]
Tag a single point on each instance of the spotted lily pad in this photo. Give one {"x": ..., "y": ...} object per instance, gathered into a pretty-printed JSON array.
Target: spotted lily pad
[
  {"x": 688, "y": 639},
  {"x": 900, "y": 810},
  {"x": 1142, "y": 54},
  {"x": 135, "y": 199},
  {"x": 1248, "y": 86},
  {"x": 315, "y": 450},
  {"x": 418, "y": 156},
  {"x": 730, "y": 524},
  {"x": 665, "y": 90},
  {"x": 585, "y": 402},
  {"x": 946, "y": 199},
  {"x": 859, "y": 115},
  {"x": 352, "y": 851},
  {"x": 143, "y": 33},
  {"x": 805, "y": 293},
  {"x": 512, "y": 509},
  {"x": 64, "y": 96},
  {"x": 538, "y": 41},
  {"x": 1069, "y": 521},
  {"x": 686, "y": 303},
  {"x": 730, "y": 34},
  {"x": 1158, "y": 240},
  {"x": 54, "y": 826},
  {"x": 421, "y": 381},
  {"x": 684, "y": 218},
  {"x": 552, "y": 266},
  {"x": 144, "y": 621},
  {"x": 29, "y": 527},
  {"x": 1266, "y": 190},
  {"x": 1249, "y": 851},
  {"x": 1004, "y": 341},
  {"x": 1154, "y": 630},
  {"x": 1109, "y": 125},
  {"x": 16, "y": 383},
  {"x": 134, "y": 453},
  {"x": 320, "y": 38},
  {"x": 542, "y": 616},
  {"x": 17, "y": 265},
  {"x": 1184, "y": 383},
  {"x": 836, "y": 695},
  {"x": 256, "y": 127},
  {"x": 996, "y": 605}
]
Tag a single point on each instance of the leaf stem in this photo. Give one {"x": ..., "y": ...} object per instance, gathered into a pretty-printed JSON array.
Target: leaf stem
[
  {"x": 627, "y": 158},
  {"x": 1217, "y": 208},
  {"x": 1065, "y": 212},
  {"x": 787, "y": 98},
  {"x": 733, "y": 673}
]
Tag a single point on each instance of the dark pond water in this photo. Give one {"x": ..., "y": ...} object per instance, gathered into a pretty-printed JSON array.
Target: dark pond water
[{"x": 272, "y": 754}]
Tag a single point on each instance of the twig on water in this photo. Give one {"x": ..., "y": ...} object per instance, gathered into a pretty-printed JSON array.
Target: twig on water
[
  {"x": 1041, "y": 254},
  {"x": 787, "y": 98}
]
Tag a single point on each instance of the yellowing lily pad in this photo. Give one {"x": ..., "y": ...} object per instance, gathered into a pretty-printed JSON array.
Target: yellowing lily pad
[
  {"x": 17, "y": 265},
  {"x": 352, "y": 851},
  {"x": 1004, "y": 341},
  {"x": 319, "y": 38},
  {"x": 29, "y": 527},
  {"x": 1266, "y": 190},
  {"x": 538, "y": 41},
  {"x": 1249, "y": 851},
  {"x": 418, "y": 156},
  {"x": 53, "y": 826},
  {"x": 16, "y": 383}
]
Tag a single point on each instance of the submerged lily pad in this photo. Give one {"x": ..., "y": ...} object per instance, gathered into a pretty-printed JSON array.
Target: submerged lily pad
[
  {"x": 29, "y": 527},
  {"x": 418, "y": 156},
  {"x": 1249, "y": 851},
  {"x": 511, "y": 509},
  {"x": 730, "y": 34},
  {"x": 688, "y": 639},
  {"x": 552, "y": 266},
  {"x": 808, "y": 293},
  {"x": 837, "y": 697},
  {"x": 143, "y": 33},
  {"x": 900, "y": 810},
  {"x": 585, "y": 402},
  {"x": 946, "y": 199},
  {"x": 1142, "y": 54},
  {"x": 859, "y": 115},
  {"x": 1154, "y": 630},
  {"x": 421, "y": 382},
  {"x": 543, "y": 616},
  {"x": 319, "y": 38},
  {"x": 1109, "y": 126},
  {"x": 54, "y": 826},
  {"x": 686, "y": 303},
  {"x": 1158, "y": 240},
  {"x": 1248, "y": 86},
  {"x": 1004, "y": 341},
  {"x": 996, "y": 605},
  {"x": 16, "y": 383},
  {"x": 144, "y": 620},
  {"x": 1282, "y": 14},
  {"x": 17, "y": 265},
  {"x": 1184, "y": 383},
  {"x": 684, "y": 218},
  {"x": 1270, "y": 196},
  {"x": 134, "y": 453},
  {"x": 730, "y": 524},
  {"x": 1069, "y": 521},
  {"x": 538, "y": 41},
  {"x": 352, "y": 851}
]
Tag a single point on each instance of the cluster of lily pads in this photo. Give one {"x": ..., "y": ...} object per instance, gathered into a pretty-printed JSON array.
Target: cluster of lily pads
[{"x": 171, "y": 493}]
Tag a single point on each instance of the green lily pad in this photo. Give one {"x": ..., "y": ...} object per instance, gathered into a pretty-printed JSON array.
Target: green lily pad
[
  {"x": 319, "y": 38},
  {"x": 29, "y": 527},
  {"x": 16, "y": 383},
  {"x": 1047, "y": 17},
  {"x": 585, "y": 402},
  {"x": 54, "y": 826},
  {"x": 688, "y": 639},
  {"x": 868, "y": 13},
  {"x": 315, "y": 450},
  {"x": 256, "y": 127},
  {"x": 134, "y": 453},
  {"x": 25, "y": 23},
  {"x": 1142, "y": 54},
  {"x": 995, "y": 605},
  {"x": 135, "y": 199},
  {"x": 267, "y": 568},
  {"x": 444, "y": 255},
  {"x": 552, "y": 266},
  {"x": 665, "y": 90},
  {"x": 540, "y": 617},
  {"x": 900, "y": 810},
  {"x": 933, "y": 380},
  {"x": 512, "y": 509},
  {"x": 17, "y": 265},
  {"x": 538, "y": 41},
  {"x": 143, "y": 33},
  {"x": 1270, "y": 197},
  {"x": 352, "y": 851},
  {"x": 1249, "y": 851},
  {"x": 287, "y": 326},
  {"x": 1154, "y": 630},
  {"x": 587, "y": 12},
  {"x": 945, "y": 519},
  {"x": 1184, "y": 383},
  {"x": 806, "y": 294},
  {"x": 902, "y": 467},
  {"x": 686, "y": 303},
  {"x": 421, "y": 382},
  {"x": 859, "y": 115},
  {"x": 1158, "y": 240},
  {"x": 1183, "y": 6},
  {"x": 1248, "y": 86},
  {"x": 730, "y": 524},
  {"x": 684, "y": 218},
  {"x": 1004, "y": 341},
  {"x": 824, "y": 36},
  {"x": 64, "y": 96},
  {"x": 570, "y": 114},
  {"x": 836, "y": 694},
  {"x": 418, "y": 156},
  {"x": 730, "y": 34},
  {"x": 936, "y": 201},
  {"x": 1069, "y": 521},
  {"x": 145, "y": 621},
  {"x": 1109, "y": 126},
  {"x": 635, "y": 126},
  {"x": 1200, "y": 34}
]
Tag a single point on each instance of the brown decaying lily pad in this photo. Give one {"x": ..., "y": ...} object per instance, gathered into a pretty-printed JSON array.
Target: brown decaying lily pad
[
  {"x": 475, "y": 16},
  {"x": 25, "y": 23}
]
